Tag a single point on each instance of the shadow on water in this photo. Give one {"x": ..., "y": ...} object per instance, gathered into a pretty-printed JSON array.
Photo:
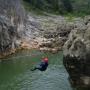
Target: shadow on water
[
  {"x": 15, "y": 72},
  {"x": 83, "y": 88}
]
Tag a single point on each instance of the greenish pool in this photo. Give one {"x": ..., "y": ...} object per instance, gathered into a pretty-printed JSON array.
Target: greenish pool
[{"x": 15, "y": 72}]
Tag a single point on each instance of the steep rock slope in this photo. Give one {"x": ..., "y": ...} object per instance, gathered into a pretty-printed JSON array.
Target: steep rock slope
[
  {"x": 12, "y": 18},
  {"x": 48, "y": 33},
  {"x": 77, "y": 54}
]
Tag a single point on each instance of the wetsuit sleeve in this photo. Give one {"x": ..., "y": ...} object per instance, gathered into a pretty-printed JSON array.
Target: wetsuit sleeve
[
  {"x": 39, "y": 66},
  {"x": 42, "y": 63}
]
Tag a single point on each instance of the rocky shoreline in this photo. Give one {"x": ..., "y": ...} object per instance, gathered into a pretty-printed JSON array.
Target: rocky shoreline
[
  {"x": 77, "y": 54},
  {"x": 47, "y": 33}
]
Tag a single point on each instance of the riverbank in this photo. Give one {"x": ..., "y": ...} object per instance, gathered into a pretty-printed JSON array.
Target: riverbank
[
  {"x": 47, "y": 32},
  {"x": 77, "y": 54}
]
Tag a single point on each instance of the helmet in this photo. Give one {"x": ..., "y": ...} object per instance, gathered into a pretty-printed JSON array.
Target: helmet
[{"x": 45, "y": 59}]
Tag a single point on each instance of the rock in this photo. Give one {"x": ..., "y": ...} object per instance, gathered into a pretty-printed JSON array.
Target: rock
[
  {"x": 11, "y": 25},
  {"x": 55, "y": 32},
  {"x": 77, "y": 56},
  {"x": 52, "y": 50},
  {"x": 49, "y": 33},
  {"x": 87, "y": 20}
]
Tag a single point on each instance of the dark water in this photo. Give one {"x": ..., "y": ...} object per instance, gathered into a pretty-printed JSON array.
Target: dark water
[{"x": 15, "y": 72}]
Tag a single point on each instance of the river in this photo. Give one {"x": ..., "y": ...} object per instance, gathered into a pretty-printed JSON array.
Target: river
[{"x": 15, "y": 72}]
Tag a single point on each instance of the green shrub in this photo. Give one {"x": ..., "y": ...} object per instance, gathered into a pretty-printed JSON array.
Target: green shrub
[{"x": 75, "y": 7}]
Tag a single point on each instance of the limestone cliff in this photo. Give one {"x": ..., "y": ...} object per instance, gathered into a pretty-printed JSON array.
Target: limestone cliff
[{"x": 12, "y": 18}]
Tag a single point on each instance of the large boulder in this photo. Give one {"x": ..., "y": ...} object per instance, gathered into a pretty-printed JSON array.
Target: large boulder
[{"x": 77, "y": 55}]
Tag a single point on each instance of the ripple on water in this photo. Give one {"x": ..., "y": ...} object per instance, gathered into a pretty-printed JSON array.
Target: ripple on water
[
  {"x": 19, "y": 76},
  {"x": 54, "y": 78}
]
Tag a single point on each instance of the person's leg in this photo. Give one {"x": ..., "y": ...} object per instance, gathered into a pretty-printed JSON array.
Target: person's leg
[
  {"x": 37, "y": 67},
  {"x": 33, "y": 69}
]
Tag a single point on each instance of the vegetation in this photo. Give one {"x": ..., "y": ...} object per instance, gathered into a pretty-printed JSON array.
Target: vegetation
[{"x": 75, "y": 7}]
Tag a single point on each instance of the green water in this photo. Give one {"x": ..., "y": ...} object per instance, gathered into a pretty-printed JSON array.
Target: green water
[{"x": 15, "y": 72}]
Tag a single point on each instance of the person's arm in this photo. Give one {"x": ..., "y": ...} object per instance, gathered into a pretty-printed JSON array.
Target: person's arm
[{"x": 42, "y": 63}]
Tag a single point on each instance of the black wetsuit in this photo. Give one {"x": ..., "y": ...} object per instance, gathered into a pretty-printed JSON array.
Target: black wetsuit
[{"x": 42, "y": 66}]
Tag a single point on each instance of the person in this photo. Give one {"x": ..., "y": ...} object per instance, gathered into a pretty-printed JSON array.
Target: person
[{"x": 42, "y": 66}]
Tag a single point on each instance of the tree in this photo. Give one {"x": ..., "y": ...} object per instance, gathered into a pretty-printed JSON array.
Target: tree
[{"x": 67, "y": 5}]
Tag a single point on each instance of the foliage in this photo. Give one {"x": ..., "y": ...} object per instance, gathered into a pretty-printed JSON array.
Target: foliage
[{"x": 77, "y": 7}]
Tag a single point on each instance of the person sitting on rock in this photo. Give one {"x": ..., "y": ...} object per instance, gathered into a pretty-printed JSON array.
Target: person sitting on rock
[{"x": 42, "y": 66}]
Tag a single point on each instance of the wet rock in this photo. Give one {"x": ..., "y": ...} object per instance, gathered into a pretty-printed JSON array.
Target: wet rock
[{"x": 77, "y": 56}]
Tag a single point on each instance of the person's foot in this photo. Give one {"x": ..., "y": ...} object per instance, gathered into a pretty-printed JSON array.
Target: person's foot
[{"x": 33, "y": 69}]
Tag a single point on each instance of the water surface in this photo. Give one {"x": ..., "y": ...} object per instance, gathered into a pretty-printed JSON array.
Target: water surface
[{"x": 15, "y": 72}]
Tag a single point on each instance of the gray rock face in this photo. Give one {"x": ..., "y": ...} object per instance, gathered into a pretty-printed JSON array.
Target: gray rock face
[
  {"x": 49, "y": 32},
  {"x": 7, "y": 34},
  {"x": 12, "y": 17},
  {"x": 77, "y": 55}
]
